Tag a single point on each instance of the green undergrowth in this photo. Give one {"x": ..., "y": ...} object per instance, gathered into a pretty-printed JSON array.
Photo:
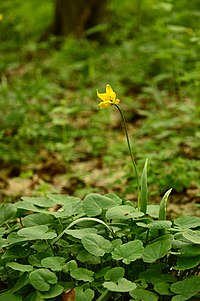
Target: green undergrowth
[{"x": 99, "y": 248}]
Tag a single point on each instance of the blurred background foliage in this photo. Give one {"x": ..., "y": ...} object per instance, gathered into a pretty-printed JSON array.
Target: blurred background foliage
[{"x": 54, "y": 138}]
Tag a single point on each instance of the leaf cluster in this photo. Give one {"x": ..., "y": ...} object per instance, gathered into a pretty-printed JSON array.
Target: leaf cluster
[{"x": 102, "y": 247}]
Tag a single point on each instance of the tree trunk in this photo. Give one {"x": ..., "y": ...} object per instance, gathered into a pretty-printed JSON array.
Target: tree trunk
[{"x": 75, "y": 16}]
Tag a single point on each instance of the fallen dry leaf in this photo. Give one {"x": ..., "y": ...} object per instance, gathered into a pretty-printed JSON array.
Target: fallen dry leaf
[{"x": 69, "y": 296}]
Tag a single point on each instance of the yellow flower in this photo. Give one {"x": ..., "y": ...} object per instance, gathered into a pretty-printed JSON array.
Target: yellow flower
[
  {"x": 1, "y": 17},
  {"x": 109, "y": 98}
]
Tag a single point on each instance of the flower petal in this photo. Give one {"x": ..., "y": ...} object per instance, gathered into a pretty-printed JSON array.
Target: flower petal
[
  {"x": 111, "y": 94},
  {"x": 109, "y": 89},
  {"x": 103, "y": 96},
  {"x": 117, "y": 101},
  {"x": 105, "y": 104}
]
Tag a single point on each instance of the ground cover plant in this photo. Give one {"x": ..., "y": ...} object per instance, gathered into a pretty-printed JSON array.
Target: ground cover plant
[
  {"x": 47, "y": 102},
  {"x": 99, "y": 248}
]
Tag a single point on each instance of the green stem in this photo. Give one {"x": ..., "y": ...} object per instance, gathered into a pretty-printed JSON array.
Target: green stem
[{"x": 130, "y": 152}]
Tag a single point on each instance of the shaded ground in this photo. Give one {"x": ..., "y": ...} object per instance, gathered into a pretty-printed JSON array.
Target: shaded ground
[{"x": 107, "y": 170}]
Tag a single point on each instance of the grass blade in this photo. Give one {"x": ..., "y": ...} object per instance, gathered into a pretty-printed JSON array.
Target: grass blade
[
  {"x": 144, "y": 190},
  {"x": 163, "y": 203}
]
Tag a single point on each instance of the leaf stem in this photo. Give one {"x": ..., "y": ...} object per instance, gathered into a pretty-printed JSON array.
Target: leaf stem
[{"x": 130, "y": 152}]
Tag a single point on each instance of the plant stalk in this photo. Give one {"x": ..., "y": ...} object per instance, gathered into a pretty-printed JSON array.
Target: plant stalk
[{"x": 130, "y": 152}]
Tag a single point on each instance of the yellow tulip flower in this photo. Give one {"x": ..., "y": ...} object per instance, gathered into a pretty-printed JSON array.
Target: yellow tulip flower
[{"x": 109, "y": 98}]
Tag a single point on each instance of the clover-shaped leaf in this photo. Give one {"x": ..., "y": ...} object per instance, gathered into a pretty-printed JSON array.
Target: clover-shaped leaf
[
  {"x": 123, "y": 285},
  {"x": 187, "y": 222},
  {"x": 128, "y": 252},
  {"x": 114, "y": 274},
  {"x": 54, "y": 291},
  {"x": 187, "y": 288},
  {"x": 158, "y": 248},
  {"x": 123, "y": 212},
  {"x": 42, "y": 278},
  {"x": 193, "y": 236},
  {"x": 36, "y": 232},
  {"x": 94, "y": 204},
  {"x": 7, "y": 212},
  {"x": 82, "y": 274},
  {"x": 96, "y": 244},
  {"x": 142, "y": 294},
  {"x": 55, "y": 263},
  {"x": 79, "y": 233},
  {"x": 84, "y": 295},
  {"x": 19, "y": 267}
]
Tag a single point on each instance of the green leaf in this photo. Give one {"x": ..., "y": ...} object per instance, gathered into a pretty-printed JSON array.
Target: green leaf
[
  {"x": 27, "y": 205},
  {"x": 96, "y": 245},
  {"x": 84, "y": 295},
  {"x": 55, "y": 263},
  {"x": 71, "y": 265},
  {"x": 81, "y": 232},
  {"x": 123, "y": 285},
  {"x": 54, "y": 291},
  {"x": 163, "y": 288},
  {"x": 153, "y": 272},
  {"x": 123, "y": 212},
  {"x": 128, "y": 252},
  {"x": 82, "y": 274},
  {"x": 42, "y": 278},
  {"x": 153, "y": 210},
  {"x": 85, "y": 256},
  {"x": 40, "y": 246},
  {"x": 193, "y": 236},
  {"x": 19, "y": 267},
  {"x": 94, "y": 204},
  {"x": 115, "y": 274},
  {"x": 144, "y": 295},
  {"x": 2, "y": 231},
  {"x": 187, "y": 222},
  {"x": 7, "y": 213},
  {"x": 144, "y": 190},
  {"x": 69, "y": 209},
  {"x": 114, "y": 197},
  {"x": 157, "y": 249},
  {"x": 10, "y": 297},
  {"x": 159, "y": 225},
  {"x": 61, "y": 199},
  {"x": 184, "y": 263},
  {"x": 156, "y": 225},
  {"x": 37, "y": 219},
  {"x": 35, "y": 259},
  {"x": 3, "y": 242},
  {"x": 179, "y": 298},
  {"x": 188, "y": 287},
  {"x": 163, "y": 203},
  {"x": 101, "y": 273},
  {"x": 15, "y": 252},
  {"x": 190, "y": 251},
  {"x": 36, "y": 232},
  {"x": 38, "y": 201},
  {"x": 13, "y": 238},
  {"x": 162, "y": 278},
  {"x": 34, "y": 296}
]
